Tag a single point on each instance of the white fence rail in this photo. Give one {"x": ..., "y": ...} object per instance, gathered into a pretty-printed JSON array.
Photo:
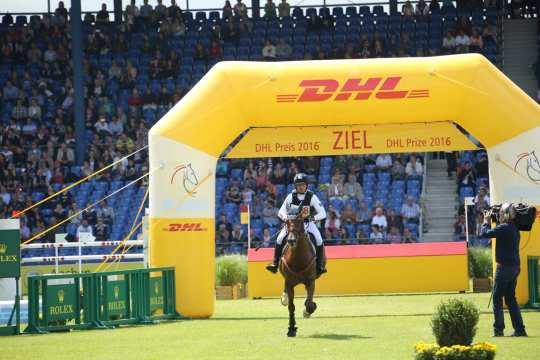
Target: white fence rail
[
  {"x": 80, "y": 257},
  {"x": 81, "y": 244}
]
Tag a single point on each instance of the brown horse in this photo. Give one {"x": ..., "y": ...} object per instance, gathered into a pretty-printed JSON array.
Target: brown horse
[{"x": 298, "y": 266}]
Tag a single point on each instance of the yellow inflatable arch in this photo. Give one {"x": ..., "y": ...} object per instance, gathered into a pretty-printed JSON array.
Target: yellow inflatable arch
[{"x": 327, "y": 108}]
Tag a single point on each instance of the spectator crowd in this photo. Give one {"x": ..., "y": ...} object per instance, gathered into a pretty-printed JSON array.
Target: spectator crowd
[
  {"x": 137, "y": 68},
  {"x": 369, "y": 199}
]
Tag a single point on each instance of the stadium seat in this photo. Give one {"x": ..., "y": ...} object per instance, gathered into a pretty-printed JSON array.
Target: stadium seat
[
  {"x": 351, "y": 11},
  {"x": 337, "y": 11},
  {"x": 297, "y": 12}
]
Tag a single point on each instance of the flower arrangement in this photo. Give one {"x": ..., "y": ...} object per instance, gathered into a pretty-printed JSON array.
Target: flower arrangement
[
  {"x": 480, "y": 351},
  {"x": 454, "y": 326}
]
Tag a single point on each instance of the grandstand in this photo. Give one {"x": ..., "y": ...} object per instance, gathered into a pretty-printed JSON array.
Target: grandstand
[{"x": 135, "y": 70}]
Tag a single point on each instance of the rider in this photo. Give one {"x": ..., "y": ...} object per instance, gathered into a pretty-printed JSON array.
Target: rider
[{"x": 293, "y": 204}]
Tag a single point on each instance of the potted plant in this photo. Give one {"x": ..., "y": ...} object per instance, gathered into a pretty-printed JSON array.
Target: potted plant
[
  {"x": 231, "y": 277},
  {"x": 481, "y": 268}
]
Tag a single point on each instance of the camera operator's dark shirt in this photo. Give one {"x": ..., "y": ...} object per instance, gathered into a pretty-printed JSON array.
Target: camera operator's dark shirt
[{"x": 507, "y": 246}]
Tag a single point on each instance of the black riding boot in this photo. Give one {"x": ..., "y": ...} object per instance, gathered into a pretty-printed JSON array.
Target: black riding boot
[
  {"x": 320, "y": 260},
  {"x": 273, "y": 268}
]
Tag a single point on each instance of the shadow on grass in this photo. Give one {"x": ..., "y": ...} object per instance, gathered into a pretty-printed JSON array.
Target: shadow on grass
[
  {"x": 337, "y": 336},
  {"x": 316, "y": 317}
]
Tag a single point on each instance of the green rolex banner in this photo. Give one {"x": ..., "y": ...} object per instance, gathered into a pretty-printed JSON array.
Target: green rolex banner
[
  {"x": 156, "y": 293},
  {"x": 10, "y": 248},
  {"x": 61, "y": 302},
  {"x": 117, "y": 298}
]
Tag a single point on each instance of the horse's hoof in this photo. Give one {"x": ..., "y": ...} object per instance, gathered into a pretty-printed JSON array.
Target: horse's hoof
[
  {"x": 306, "y": 314},
  {"x": 310, "y": 308},
  {"x": 292, "y": 332},
  {"x": 284, "y": 299}
]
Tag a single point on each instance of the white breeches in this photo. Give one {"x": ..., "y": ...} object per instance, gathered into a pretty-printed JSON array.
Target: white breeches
[{"x": 309, "y": 227}]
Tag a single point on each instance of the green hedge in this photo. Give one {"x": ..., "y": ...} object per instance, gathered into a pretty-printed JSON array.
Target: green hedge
[
  {"x": 231, "y": 270},
  {"x": 480, "y": 262},
  {"x": 454, "y": 322}
]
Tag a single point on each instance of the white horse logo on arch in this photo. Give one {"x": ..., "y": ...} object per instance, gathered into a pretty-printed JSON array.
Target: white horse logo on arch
[
  {"x": 532, "y": 165},
  {"x": 190, "y": 181}
]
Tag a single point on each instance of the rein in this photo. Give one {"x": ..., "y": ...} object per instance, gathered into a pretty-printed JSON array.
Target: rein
[{"x": 298, "y": 274}]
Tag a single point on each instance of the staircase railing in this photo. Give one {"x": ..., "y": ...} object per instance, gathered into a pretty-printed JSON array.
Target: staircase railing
[{"x": 423, "y": 199}]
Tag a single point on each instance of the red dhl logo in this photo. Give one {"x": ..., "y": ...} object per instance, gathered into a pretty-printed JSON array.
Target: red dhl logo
[
  {"x": 355, "y": 89},
  {"x": 185, "y": 227}
]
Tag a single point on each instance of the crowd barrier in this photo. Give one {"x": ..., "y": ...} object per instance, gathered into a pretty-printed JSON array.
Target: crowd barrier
[{"x": 100, "y": 300}]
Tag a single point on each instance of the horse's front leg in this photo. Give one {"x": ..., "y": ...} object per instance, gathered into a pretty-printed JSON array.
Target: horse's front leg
[
  {"x": 311, "y": 306},
  {"x": 292, "y": 322}
]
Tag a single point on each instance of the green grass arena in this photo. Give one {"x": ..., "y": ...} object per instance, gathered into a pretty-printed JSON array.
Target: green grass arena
[{"x": 352, "y": 327}]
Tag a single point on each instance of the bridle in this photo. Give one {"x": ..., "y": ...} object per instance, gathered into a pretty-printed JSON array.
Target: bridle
[{"x": 295, "y": 228}]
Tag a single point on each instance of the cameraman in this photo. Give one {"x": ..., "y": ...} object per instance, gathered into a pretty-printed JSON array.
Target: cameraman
[{"x": 508, "y": 268}]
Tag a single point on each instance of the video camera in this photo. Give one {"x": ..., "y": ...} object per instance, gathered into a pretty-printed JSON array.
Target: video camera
[{"x": 524, "y": 219}]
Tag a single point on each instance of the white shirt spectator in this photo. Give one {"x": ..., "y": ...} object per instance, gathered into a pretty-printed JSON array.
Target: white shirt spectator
[
  {"x": 376, "y": 237},
  {"x": 116, "y": 127},
  {"x": 449, "y": 42},
  {"x": 85, "y": 229},
  {"x": 379, "y": 220},
  {"x": 414, "y": 170},
  {"x": 384, "y": 161},
  {"x": 333, "y": 224},
  {"x": 34, "y": 111},
  {"x": 269, "y": 51},
  {"x": 102, "y": 126},
  {"x": 65, "y": 154},
  {"x": 486, "y": 199},
  {"x": 410, "y": 211},
  {"x": 463, "y": 40},
  {"x": 122, "y": 165},
  {"x": 49, "y": 55}
]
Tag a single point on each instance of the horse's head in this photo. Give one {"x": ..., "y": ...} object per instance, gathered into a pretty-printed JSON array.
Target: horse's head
[
  {"x": 534, "y": 162},
  {"x": 295, "y": 229}
]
